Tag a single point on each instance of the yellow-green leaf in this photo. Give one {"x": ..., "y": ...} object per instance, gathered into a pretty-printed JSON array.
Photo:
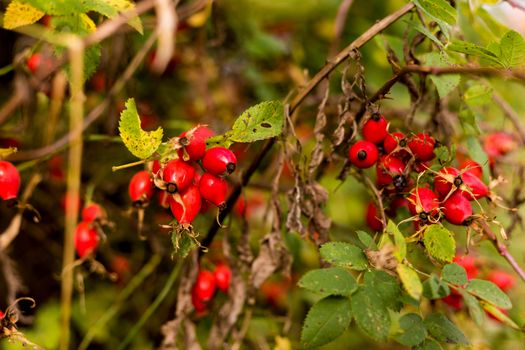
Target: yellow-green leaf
[
  {"x": 410, "y": 281},
  {"x": 399, "y": 240},
  {"x": 140, "y": 143},
  {"x": 20, "y": 14}
]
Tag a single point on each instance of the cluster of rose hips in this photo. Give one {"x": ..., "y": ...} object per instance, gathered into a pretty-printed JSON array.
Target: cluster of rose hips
[
  {"x": 397, "y": 156},
  {"x": 183, "y": 186},
  {"x": 504, "y": 280},
  {"x": 207, "y": 283},
  {"x": 9, "y": 181},
  {"x": 88, "y": 231}
]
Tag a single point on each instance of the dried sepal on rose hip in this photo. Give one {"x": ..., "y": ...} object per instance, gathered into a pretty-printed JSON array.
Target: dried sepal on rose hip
[
  {"x": 193, "y": 143},
  {"x": 424, "y": 203}
]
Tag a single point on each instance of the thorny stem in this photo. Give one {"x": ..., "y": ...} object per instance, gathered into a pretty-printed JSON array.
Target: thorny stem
[
  {"x": 305, "y": 91},
  {"x": 502, "y": 249}
]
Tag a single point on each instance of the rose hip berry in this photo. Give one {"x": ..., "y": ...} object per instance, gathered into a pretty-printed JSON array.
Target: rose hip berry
[
  {"x": 194, "y": 142},
  {"x": 92, "y": 212},
  {"x": 205, "y": 285},
  {"x": 422, "y": 146},
  {"x": 372, "y": 219},
  {"x": 392, "y": 140},
  {"x": 86, "y": 239},
  {"x": 502, "y": 279},
  {"x": 178, "y": 175},
  {"x": 214, "y": 189},
  {"x": 444, "y": 180},
  {"x": 141, "y": 188},
  {"x": 388, "y": 168},
  {"x": 223, "y": 275},
  {"x": 468, "y": 262},
  {"x": 363, "y": 154},
  {"x": 423, "y": 202},
  {"x": 473, "y": 187},
  {"x": 190, "y": 207},
  {"x": 9, "y": 180},
  {"x": 375, "y": 128},
  {"x": 457, "y": 209},
  {"x": 470, "y": 166},
  {"x": 219, "y": 161}
]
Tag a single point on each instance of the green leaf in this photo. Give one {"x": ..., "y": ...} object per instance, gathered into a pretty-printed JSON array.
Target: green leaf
[
  {"x": 434, "y": 288},
  {"x": 332, "y": 281},
  {"x": 478, "y": 95},
  {"x": 428, "y": 344},
  {"x": 490, "y": 292},
  {"x": 445, "y": 84},
  {"x": 326, "y": 320},
  {"x": 399, "y": 240},
  {"x": 474, "y": 308},
  {"x": 19, "y": 13},
  {"x": 414, "y": 330},
  {"x": 410, "y": 281},
  {"x": 262, "y": 121},
  {"x": 367, "y": 240},
  {"x": 438, "y": 9},
  {"x": 469, "y": 122},
  {"x": 370, "y": 314},
  {"x": 512, "y": 49},
  {"x": 111, "y": 8},
  {"x": 443, "y": 330},
  {"x": 500, "y": 315},
  {"x": 185, "y": 244},
  {"x": 140, "y": 143},
  {"x": 478, "y": 155},
  {"x": 474, "y": 50},
  {"x": 439, "y": 243},
  {"x": 386, "y": 287},
  {"x": 455, "y": 274},
  {"x": 344, "y": 255},
  {"x": 423, "y": 30}
]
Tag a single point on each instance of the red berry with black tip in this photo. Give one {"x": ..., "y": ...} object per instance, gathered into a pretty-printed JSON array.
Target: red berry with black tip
[
  {"x": 375, "y": 128},
  {"x": 178, "y": 175},
  {"x": 444, "y": 180},
  {"x": 9, "y": 180},
  {"x": 140, "y": 188},
  {"x": 214, "y": 189},
  {"x": 392, "y": 140},
  {"x": 86, "y": 239},
  {"x": 92, "y": 212},
  {"x": 388, "y": 168},
  {"x": 457, "y": 209},
  {"x": 470, "y": 166},
  {"x": 194, "y": 142},
  {"x": 423, "y": 202},
  {"x": 372, "y": 218},
  {"x": 363, "y": 154},
  {"x": 189, "y": 207},
  {"x": 223, "y": 276},
  {"x": 422, "y": 146},
  {"x": 473, "y": 187},
  {"x": 219, "y": 161},
  {"x": 205, "y": 285},
  {"x": 504, "y": 280}
]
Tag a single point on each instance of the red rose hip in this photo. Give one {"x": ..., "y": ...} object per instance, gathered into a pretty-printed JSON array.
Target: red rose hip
[
  {"x": 9, "y": 180},
  {"x": 178, "y": 175},
  {"x": 219, "y": 161},
  {"x": 190, "y": 206},
  {"x": 140, "y": 187},
  {"x": 457, "y": 209},
  {"x": 214, "y": 189},
  {"x": 223, "y": 276},
  {"x": 86, "y": 239},
  {"x": 375, "y": 128},
  {"x": 422, "y": 146},
  {"x": 363, "y": 154}
]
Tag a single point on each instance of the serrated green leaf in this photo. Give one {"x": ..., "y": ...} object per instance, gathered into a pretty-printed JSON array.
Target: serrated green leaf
[
  {"x": 474, "y": 50},
  {"x": 367, "y": 240},
  {"x": 386, "y": 287},
  {"x": 423, "y": 30},
  {"x": 428, "y": 344},
  {"x": 262, "y": 121},
  {"x": 371, "y": 315},
  {"x": 434, "y": 288},
  {"x": 18, "y": 13},
  {"x": 512, "y": 49},
  {"x": 410, "y": 281},
  {"x": 326, "y": 320},
  {"x": 489, "y": 292},
  {"x": 332, "y": 281},
  {"x": 414, "y": 330},
  {"x": 399, "y": 241},
  {"x": 445, "y": 84},
  {"x": 140, "y": 143},
  {"x": 455, "y": 274},
  {"x": 474, "y": 308},
  {"x": 439, "y": 243},
  {"x": 438, "y": 9},
  {"x": 344, "y": 255},
  {"x": 443, "y": 330}
]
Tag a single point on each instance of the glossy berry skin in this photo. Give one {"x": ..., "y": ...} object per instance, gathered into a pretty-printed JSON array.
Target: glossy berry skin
[
  {"x": 178, "y": 175},
  {"x": 423, "y": 201},
  {"x": 392, "y": 140},
  {"x": 219, "y": 161},
  {"x": 9, "y": 180},
  {"x": 473, "y": 187},
  {"x": 194, "y": 142},
  {"x": 470, "y": 166},
  {"x": 502, "y": 279},
  {"x": 457, "y": 209},
  {"x": 86, "y": 239},
  {"x": 422, "y": 146},
  {"x": 191, "y": 198},
  {"x": 140, "y": 187},
  {"x": 375, "y": 129},
  {"x": 198, "y": 304},
  {"x": 223, "y": 276},
  {"x": 444, "y": 180},
  {"x": 214, "y": 189},
  {"x": 163, "y": 199},
  {"x": 363, "y": 154},
  {"x": 205, "y": 286},
  {"x": 92, "y": 212},
  {"x": 468, "y": 262},
  {"x": 388, "y": 168},
  {"x": 372, "y": 219}
]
